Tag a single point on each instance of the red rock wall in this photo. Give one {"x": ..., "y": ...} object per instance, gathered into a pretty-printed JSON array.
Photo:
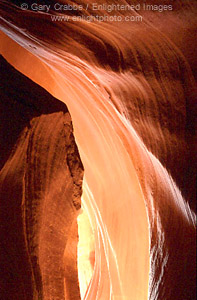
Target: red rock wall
[
  {"x": 130, "y": 88},
  {"x": 40, "y": 189}
]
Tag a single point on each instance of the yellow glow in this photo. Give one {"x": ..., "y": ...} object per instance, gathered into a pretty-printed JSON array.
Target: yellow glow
[
  {"x": 111, "y": 189},
  {"x": 122, "y": 93},
  {"x": 85, "y": 252}
]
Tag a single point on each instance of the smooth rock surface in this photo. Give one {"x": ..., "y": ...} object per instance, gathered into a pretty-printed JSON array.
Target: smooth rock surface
[{"x": 40, "y": 189}]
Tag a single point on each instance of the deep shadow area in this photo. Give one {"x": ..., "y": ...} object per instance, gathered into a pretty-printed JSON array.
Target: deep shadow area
[
  {"x": 21, "y": 100},
  {"x": 40, "y": 190}
]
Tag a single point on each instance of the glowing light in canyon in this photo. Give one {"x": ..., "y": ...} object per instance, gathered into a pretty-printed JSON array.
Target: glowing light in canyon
[{"x": 134, "y": 217}]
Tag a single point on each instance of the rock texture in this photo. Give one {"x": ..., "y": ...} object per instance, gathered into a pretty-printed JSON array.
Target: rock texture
[
  {"x": 130, "y": 89},
  {"x": 40, "y": 189}
]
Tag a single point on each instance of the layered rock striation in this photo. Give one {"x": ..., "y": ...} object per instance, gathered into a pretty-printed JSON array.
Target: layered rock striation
[
  {"x": 40, "y": 189},
  {"x": 130, "y": 89}
]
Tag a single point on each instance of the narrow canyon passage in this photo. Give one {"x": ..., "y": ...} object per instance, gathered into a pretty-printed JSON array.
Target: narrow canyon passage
[
  {"x": 129, "y": 91},
  {"x": 114, "y": 261}
]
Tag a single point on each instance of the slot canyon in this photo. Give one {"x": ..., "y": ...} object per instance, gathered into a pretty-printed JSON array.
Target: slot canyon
[{"x": 98, "y": 156}]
